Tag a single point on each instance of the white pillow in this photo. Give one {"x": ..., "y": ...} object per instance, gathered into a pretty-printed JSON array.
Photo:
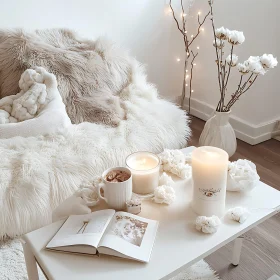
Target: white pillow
[{"x": 49, "y": 120}]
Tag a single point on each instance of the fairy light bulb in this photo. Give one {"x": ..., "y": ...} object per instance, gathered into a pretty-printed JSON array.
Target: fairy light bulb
[
  {"x": 199, "y": 13},
  {"x": 202, "y": 29},
  {"x": 192, "y": 90},
  {"x": 187, "y": 70},
  {"x": 178, "y": 59},
  {"x": 192, "y": 36},
  {"x": 197, "y": 47},
  {"x": 186, "y": 31},
  {"x": 183, "y": 15},
  {"x": 187, "y": 76},
  {"x": 188, "y": 53},
  {"x": 186, "y": 85}
]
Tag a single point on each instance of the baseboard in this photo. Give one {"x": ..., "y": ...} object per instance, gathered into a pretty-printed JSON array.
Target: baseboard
[{"x": 252, "y": 134}]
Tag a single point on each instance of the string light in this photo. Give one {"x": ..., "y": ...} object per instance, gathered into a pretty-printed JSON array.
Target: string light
[
  {"x": 187, "y": 70},
  {"x": 183, "y": 15},
  {"x": 199, "y": 13},
  {"x": 187, "y": 76},
  {"x": 192, "y": 90},
  {"x": 178, "y": 59},
  {"x": 192, "y": 36},
  {"x": 188, "y": 53},
  {"x": 186, "y": 85},
  {"x": 197, "y": 47},
  {"x": 194, "y": 64},
  {"x": 186, "y": 31},
  {"x": 202, "y": 28}
]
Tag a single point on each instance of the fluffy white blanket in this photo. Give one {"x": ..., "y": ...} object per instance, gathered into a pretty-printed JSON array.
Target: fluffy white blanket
[{"x": 37, "y": 173}]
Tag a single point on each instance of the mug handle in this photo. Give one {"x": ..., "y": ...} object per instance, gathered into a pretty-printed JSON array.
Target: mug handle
[{"x": 100, "y": 186}]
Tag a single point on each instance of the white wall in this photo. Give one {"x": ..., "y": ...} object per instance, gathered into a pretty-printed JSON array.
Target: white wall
[
  {"x": 256, "y": 112},
  {"x": 144, "y": 27}
]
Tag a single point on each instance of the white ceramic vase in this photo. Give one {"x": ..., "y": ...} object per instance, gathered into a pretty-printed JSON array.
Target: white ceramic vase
[{"x": 219, "y": 133}]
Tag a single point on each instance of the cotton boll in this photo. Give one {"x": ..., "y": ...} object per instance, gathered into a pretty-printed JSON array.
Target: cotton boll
[
  {"x": 232, "y": 60},
  {"x": 268, "y": 61},
  {"x": 165, "y": 180},
  {"x": 222, "y": 33},
  {"x": 164, "y": 156},
  {"x": 207, "y": 224},
  {"x": 255, "y": 65},
  {"x": 238, "y": 214},
  {"x": 242, "y": 176},
  {"x": 243, "y": 68},
  {"x": 167, "y": 167},
  {"x": 164, "y": 194},
  {"x": 236, "y": 37},
  {"x": 218, "y": 43}
]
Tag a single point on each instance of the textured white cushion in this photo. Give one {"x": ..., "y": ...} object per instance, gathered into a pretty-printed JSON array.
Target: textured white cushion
[{"x": 52, "y": 118}]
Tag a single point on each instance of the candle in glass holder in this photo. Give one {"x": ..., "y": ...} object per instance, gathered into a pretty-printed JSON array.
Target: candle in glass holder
[
  {"x": 209, "y": 175},
  {"x": 144, "y": 168}
]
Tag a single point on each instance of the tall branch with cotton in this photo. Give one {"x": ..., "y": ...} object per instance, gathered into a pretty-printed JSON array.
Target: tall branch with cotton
[{"x": 251, "y": 68}]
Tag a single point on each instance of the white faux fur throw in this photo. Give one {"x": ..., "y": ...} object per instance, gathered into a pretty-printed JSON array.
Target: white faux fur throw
[{"x": 38, "y": 173}]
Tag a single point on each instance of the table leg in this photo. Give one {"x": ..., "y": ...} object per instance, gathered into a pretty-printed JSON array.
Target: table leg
[
  {"x": 30, "y": 261},
  {"x": 237, "y": 250}
]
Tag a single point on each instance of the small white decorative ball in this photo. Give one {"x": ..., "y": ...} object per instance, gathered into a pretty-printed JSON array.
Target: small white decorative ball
[
  {"x": 242, "y": 176},
  {"x": 207, "y": 224},
  {"x": 238, "y": 214}
]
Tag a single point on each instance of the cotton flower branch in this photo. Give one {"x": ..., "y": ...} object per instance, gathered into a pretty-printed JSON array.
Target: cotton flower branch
[
  {"x": 188, "y": 42},
  {"x": 255, "y": 65}
]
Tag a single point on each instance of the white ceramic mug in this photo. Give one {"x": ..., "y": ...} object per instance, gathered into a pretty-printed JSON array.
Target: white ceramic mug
[{"x": 116, "y": 193}]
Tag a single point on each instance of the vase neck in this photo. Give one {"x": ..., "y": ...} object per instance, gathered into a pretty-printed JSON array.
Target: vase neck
[{"x": 222, "y": 118}]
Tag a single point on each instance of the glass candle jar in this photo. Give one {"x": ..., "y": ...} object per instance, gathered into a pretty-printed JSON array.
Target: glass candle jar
[{"x": 144, "y": 167}]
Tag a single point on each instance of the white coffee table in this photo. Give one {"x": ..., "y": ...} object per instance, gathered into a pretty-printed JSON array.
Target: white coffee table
[{"x": 178, "y": 245}]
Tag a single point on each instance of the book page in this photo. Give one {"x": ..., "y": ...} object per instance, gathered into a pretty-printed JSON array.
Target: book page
[
  {"x": 130, "y": 235},
  {"x": 82, "y": 229}
]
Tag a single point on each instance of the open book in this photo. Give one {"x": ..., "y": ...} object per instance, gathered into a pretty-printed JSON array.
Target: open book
[{"x": 107, "y": 232}]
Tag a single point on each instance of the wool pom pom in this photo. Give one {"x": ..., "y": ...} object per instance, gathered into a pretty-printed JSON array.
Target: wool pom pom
[
  {"x": 238, "y": 214},
  {"x": 242, "y": 175},
  {"x": 165, "y": 180},
  {"x": 207, "y": 224},
  {"x": 164, "y": 194}
]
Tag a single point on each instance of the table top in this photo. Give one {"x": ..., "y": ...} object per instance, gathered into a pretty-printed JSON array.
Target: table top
[{"x": 177, "y": 246}]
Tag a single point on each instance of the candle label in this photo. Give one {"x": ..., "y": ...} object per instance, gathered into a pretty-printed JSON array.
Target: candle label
[{"x": 210, "y": 193}]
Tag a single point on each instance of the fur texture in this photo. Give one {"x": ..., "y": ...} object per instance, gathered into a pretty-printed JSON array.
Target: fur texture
[
  {"x": 38, "y": 173},
  {"x": 90, "y": 74}
]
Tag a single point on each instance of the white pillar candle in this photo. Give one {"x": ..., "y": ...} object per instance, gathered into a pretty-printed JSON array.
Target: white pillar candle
[
  {"x": 144, "y": 167},
  {"x": 209, "y": 175}
]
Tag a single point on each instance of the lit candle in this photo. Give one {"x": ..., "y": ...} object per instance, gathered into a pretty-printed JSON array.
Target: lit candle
[
  {"x": 209, "y": 174},
  {"x": 144, "y": 167}
]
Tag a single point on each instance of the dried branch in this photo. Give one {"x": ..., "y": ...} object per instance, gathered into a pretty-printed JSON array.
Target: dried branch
[
  {"x": 231, "y": 53},
  {"x": 173, "y": 13},
  {"x": 241, "y": 91},
  {"x": 199, "y": 26},
  {"x": 192, "y": 65},
  {"x": 216, "y": 48},
  {"x": 188, "y": 51}
]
